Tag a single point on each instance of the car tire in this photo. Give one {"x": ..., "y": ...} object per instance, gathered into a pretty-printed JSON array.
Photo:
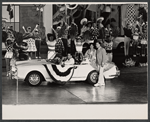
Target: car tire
[
  {"x": 120, "y": 47},
  {"x": 92, "y": 77},
  {"x": 34, "y": 79}
]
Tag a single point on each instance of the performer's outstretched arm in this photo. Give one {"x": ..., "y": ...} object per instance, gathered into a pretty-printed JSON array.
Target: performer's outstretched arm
[
  {"x": 54, "y": 31},
  {"x": 35, "y": 27},
  {"x": 24, "y": 29}
]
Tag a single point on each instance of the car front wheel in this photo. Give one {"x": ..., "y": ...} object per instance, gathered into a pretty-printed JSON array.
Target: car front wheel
[
  {"x": 93, "y": 77},
  {"x": 34, "y": 79},
  {"x": 120, "y": 47}
]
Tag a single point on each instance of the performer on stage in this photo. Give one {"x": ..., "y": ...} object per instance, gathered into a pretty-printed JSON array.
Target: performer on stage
[
  {"x": 72, "y": 34},
  {"x": 11, "y": 47},
  {"x": 83, "y": 22},
  {"x": 38, "y": 43},
  {"x": 95, "y": 32},
  {"x": 128, "y": 36},
  {"x": 63, "y": 35},
  {"x": 108, "y": 44},
  {"x": 51, "y": 45},
  {"x": 136, "y": 35},
  {"x": 29, "y": 39},
  {"x": 143, "y": 31},
  {"x": 101, "y": 28},
  {"x": 108, "y": 30}
]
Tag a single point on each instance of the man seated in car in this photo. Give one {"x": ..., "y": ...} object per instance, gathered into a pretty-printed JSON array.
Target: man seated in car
[{"x": 69, "y": 61}]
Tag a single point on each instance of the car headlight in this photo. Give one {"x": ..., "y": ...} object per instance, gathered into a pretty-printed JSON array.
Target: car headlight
[{"x": 117, "y": 68}]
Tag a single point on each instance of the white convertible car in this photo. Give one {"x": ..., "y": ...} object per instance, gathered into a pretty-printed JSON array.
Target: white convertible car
[{"x": 34, "y": 72}]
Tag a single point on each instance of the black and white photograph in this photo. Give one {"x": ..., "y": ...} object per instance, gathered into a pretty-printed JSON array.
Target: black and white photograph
[{"x": 75, "y": 54}]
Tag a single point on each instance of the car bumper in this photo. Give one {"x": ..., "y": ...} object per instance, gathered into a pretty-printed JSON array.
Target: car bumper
[{"x": 117, "y": 74}]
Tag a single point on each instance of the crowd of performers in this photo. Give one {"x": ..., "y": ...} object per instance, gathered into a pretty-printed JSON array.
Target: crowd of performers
[
  {"x": 17, "y": 44},
  {"x": 135, "y": 35},
  {"x": 95, "y": 42},
  {"x": 67, "y": 40},
  {"x": 67, "y": 46}
]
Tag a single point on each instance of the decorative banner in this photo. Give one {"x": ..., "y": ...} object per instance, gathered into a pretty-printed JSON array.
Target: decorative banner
[
  {"x": 92, "y": 7},
  {"x": 59, "y": 73},
  {"x": 59, "y": 14},
  {"x": 71, "y": 6}
]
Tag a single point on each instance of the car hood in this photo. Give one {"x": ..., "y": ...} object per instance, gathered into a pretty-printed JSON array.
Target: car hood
[
  {"x": 116, "y": 41},
  {"x": 31, "y": 62}
]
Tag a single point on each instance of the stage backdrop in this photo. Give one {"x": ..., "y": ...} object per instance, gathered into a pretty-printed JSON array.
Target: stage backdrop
[{"x": 129, "y": 11}]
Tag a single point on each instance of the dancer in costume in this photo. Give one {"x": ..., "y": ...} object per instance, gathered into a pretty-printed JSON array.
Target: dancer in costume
[
  {"x": 136, "y": 35},
  {"x": 143, "y": 31},
  {"x": 108, "y": 44},
  {"x": 11, "y": 47},
  {"x": 83, "y": 22},
  {"x": 37, "y": 43},
  {"x": 128, "y": 36},
  {"x": 101, "y": 29},
  {"x": 51, "y": 45},
  {"x": 72, "y": 34},
  {"x": 29, "y": 39}
]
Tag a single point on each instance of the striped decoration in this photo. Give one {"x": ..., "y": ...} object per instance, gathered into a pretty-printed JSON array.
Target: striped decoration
[{"x": 59, "y": 73}]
